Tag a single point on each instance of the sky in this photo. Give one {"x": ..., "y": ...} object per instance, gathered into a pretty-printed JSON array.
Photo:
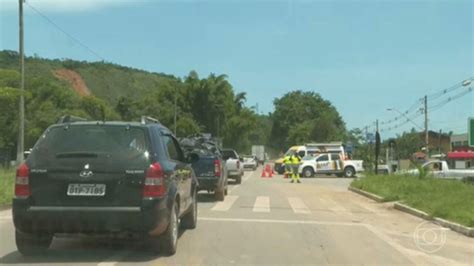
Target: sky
[{"x": 363, "y": 55}]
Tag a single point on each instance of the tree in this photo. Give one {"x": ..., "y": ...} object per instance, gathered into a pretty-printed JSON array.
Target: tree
[
  {"x": 408, "y": 143},
  {"x": 301, "y": 117}
]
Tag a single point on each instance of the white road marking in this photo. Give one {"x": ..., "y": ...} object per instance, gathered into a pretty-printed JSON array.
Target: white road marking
[
  {"x": 298, "y": 205},
  {"x": 273, "y": 221},
  {"x": 262, "y": 204},
  {"x": 226, "y": 204},
  {"x": 332, "y": 205},
  {"x": 113, "y": 260}
]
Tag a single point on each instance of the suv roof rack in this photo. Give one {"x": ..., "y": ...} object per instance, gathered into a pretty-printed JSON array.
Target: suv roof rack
[
  {"x": 70, "y": 119},
  {"x": 149, "y": 120}
]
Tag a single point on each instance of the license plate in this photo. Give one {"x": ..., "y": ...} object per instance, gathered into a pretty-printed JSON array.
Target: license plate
[{"x": 86, "y": 190}]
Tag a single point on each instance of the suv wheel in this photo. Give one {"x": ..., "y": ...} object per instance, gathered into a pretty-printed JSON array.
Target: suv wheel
[
  {"x": 238, "y": 179},
  {"x": 189, "y": 221},
  {"x": 308, "y": 172},
  {"x": 225, "y": 189},
  {"x": 168, "y": 241},
  {"x": 349, "y": 171},
  {"x": 32, "y": 244},
  {"x": 219, "y": 194}
]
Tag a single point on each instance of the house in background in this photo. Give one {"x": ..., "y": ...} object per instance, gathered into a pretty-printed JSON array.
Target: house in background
[{"x": 461, "y": 156}]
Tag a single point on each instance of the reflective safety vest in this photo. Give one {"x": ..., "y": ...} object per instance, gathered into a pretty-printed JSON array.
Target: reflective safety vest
[
  {"x": 287, "y": 160},
  {"x": 295, "y": 159}
]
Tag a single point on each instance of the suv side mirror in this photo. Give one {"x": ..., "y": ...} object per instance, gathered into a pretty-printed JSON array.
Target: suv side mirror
[
  {"x": 241, "y": 159},
  {"x": 27, "y": 153}
]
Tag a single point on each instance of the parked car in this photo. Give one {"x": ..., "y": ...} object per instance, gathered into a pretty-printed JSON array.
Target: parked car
[
  {"x": 208, "y": 166},
  {"x": 249, "y": 162},
  {"x": 233, "y": 165},
  {"x": 440, "y": 169},
  {"x": 100, "y": 178},
  {"x": 330, "y": 163}
]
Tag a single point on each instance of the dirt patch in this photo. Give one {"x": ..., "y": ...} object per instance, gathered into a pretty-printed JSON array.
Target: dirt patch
[{"x": 73, "y": 78}]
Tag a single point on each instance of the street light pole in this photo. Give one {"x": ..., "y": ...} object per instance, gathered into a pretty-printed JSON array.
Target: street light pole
[
  {"x": 21, "y": 119},
  {"x": 426, "y": 127}
]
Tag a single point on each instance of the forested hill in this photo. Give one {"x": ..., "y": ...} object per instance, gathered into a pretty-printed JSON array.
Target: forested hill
[
  {"x": 105, "y": 91},
  {"x": 99, "y": 90},
  {"x": 104, "y": 80}
]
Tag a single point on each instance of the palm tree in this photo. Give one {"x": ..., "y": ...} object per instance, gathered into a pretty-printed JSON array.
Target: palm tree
[{"x": 239, "y": 100}]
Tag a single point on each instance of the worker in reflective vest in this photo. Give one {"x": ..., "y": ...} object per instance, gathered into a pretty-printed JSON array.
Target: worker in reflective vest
[
  {"x": 295, "y": 165},
  {"x": 287, "y": 162}
]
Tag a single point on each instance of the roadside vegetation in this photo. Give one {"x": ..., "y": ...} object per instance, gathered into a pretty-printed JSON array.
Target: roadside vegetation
[
  {"x": 448, "y": 199},
  {"x": 7, "y": 180}
]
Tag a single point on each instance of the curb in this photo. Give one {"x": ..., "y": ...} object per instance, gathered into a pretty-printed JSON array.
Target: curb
[
  {"x": 412, "y": 211},
  {"x": 366, "y": 194},
  {"x": 467, "y": 231}
]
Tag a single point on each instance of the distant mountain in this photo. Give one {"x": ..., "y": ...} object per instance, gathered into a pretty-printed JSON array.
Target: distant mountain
[{"x": 104, "y": 80}]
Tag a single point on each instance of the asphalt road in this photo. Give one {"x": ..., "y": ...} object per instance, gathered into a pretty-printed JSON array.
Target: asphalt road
[{"x": 270, "y": 221}]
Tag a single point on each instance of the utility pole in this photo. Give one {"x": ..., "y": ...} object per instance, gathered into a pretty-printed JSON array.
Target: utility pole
[
  {"x": 377, "y": 146},
  {"x": 439, "y": 142},
  {"x": 426, "y": 127},
  {"x": 175, "y": 110},
  {"x": 21, "y": 119}
]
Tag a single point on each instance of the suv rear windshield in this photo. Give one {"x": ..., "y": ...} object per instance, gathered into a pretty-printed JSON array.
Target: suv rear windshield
[{"x": 122, "y": 143}]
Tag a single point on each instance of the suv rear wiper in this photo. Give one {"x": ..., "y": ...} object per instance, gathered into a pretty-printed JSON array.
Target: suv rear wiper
[{"x": 76, "y": 155}]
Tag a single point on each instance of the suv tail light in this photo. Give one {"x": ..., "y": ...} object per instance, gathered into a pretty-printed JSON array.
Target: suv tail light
[
  {"x": 22, "y": 181},
  {"x": 154, "y": 182},
  {"x": 238, "y": 165},
  {"x": 217, "y": 168}
]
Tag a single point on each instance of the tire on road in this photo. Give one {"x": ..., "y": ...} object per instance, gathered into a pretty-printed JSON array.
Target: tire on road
[
  {"x": 349, "y": 171},
  {"x": 189, "y": 220},
  {"x": 219, "y": 195},
  {"x": 167, "y": 242},
  {"x": 238, "y": 179},
  {"x": 308, "y": 172},
  {"x": 32, "y": 244}
]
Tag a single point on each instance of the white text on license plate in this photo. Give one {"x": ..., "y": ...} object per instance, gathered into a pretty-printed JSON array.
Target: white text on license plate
[{"x": 86, "y": 190}]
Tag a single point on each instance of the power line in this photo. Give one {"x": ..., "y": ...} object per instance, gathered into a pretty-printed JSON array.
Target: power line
[
  {"x": 432, "y": 96},
  {"x": 64, "y": 32}
]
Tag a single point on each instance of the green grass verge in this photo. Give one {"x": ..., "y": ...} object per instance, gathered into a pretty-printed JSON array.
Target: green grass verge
[
  {"x": 448, "y": 199},
  {"x": 7, "y": 180}
]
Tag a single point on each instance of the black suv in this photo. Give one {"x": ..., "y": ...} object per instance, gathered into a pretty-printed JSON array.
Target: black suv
[{"x": 104, "y": 178}]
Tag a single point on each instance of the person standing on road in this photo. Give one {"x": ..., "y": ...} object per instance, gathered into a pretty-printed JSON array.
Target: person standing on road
[
  {"x": 287, "y": 162},
  {"x": 295, "y": 165}
]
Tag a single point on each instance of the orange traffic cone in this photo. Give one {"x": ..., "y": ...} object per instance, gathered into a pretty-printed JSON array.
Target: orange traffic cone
[
  {"x": 269, "y": 171},
  {"x": 264, "y": 173}
]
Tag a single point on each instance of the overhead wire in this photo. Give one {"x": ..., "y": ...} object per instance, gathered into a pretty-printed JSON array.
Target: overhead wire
[
  {"x": 432, "y": 96},
  {"x": 64, "y": 32}
]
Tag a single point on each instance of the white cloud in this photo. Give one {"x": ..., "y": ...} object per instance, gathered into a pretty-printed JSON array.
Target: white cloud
[{"x": 66, "y": 5}]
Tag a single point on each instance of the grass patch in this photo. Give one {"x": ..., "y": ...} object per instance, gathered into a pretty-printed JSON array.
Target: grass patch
[
  {"x": 448, "y": 199},
  {"x": 7, "y": 180}
]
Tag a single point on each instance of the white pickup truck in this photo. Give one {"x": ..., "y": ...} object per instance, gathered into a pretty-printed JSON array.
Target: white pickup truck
[
  {"x": 330, "y": 163},
  {"x": 233, "y": 165},
  {"x": 441, "y": 169}
]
